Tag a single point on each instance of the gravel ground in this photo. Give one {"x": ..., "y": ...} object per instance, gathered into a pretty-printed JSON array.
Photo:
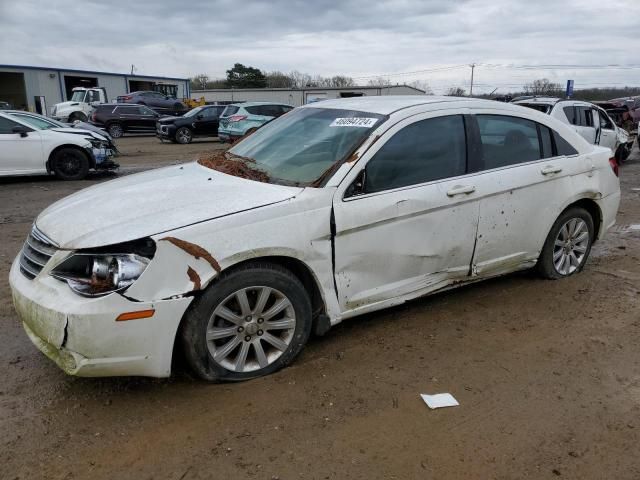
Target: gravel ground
[{"x": 547, "y": 374}]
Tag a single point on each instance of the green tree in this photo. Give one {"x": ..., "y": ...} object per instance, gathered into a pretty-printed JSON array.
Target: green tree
[{"x": 245, "y": 77}]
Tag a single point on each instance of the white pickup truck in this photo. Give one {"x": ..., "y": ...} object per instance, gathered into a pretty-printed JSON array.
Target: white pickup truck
[
  {"x": 589, "y": 120},
  {"x": 80, "y": 106}
]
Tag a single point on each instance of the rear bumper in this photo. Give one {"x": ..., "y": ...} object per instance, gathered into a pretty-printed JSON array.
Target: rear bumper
[{"x": 81, "y": 335}]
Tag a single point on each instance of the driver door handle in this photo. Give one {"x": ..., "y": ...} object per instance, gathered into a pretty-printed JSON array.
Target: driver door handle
[
  {"x": 550, "y": 169},
  {"x": 461, "y": 189}
]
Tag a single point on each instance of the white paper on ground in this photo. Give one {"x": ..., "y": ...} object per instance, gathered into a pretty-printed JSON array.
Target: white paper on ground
[
  {"x": 634, "y": 227},
  {"x": 439, "y": 400}
]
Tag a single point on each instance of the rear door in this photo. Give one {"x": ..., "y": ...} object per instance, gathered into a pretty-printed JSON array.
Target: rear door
[
  {"x": 407, "y": 225},
  {"x": 582, "y": 119},
  {"x": 19, "y": 155},
  {"x": 607, "y": 134},
  {"x": 524, "y": 177}
]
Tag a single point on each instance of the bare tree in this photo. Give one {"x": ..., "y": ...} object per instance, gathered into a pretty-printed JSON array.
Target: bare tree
[
  {"x": 341, "y": 81},
  {"x": 379, "y": 82},
  {"x": 543, "y": 87},
  {"x": 422, "y": 85},
  {"x": 278, "y": 80},
  {"x": 456, "y": 92},
  {"x": 200, "y": 82}
]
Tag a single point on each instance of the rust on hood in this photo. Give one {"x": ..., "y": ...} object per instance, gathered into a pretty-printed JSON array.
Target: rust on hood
[
  {"x": 235, "y": 165},
  {"x": 195, "y": 278},
  {"x": 194, "y": 250}
]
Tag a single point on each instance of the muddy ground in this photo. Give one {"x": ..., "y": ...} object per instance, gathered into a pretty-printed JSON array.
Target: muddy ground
[{"x": 547, "y": 374}]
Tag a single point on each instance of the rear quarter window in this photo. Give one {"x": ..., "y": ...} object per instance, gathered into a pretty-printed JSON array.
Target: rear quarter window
[
  {"x": 562, "y": 146},
  {"x": 230, "y": 110}
]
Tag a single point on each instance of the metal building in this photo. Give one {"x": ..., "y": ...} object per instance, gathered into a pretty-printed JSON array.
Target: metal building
[
  {"x": 298, "y": 96},
  {"x": 37, "y": 89}
]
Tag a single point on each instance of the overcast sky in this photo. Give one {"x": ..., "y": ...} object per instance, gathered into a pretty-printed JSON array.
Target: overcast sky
[{"x": 328, "y": 37}]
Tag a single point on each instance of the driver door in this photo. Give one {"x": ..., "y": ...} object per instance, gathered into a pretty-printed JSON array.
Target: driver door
[{"x": 407, "y": 225}]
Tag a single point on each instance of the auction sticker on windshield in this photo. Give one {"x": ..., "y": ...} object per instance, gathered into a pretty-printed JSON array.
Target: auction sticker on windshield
[{"x": 354, "y": 122}]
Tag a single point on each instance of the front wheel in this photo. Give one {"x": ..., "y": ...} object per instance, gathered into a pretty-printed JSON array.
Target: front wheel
[
  {"x": 184, "y": 135},
  {"x": 250, "y": 323},
  {"x": 77, "y": 116},
  {"x": 70, "y": 164},
  {"x": 115, "y": 130},
  {"x": 568, "y": 244}
]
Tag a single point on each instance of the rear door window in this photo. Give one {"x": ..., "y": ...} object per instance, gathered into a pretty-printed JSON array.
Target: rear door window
[
  {"x": 424, "y": 151},
  {"x": 507, "y": 141},
  {"x": 546, "y": 141},
  {"x": 584, "y": 116},
  {"x": 133, "y": 110},
  {"x": 570, "y": 113}
]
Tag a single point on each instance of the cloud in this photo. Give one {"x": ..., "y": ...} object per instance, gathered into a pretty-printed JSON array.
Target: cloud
[{"x": 329, "y": 37}]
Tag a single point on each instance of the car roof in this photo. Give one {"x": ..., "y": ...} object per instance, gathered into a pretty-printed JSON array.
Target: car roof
[
  {"x": 387, "y": 104},
  {"x": 251, "y": 104}
]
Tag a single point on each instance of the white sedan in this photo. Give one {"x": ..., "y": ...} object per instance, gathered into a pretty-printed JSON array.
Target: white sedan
[
  {"x": 31, "y": 144},
  {"x": 346, "y": 207}
]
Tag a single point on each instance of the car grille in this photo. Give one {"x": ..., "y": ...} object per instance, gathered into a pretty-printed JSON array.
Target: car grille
[{"x": 36, "y": 252}]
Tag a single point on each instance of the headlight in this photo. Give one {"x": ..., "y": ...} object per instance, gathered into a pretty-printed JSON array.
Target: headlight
[
  {"x": 94, "y": 275},
  {"x": 95, "y": 143}
]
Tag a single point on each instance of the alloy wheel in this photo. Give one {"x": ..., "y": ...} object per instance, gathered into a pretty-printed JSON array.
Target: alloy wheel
[
  {"x": 250, "y": 329},
  {"x": 571, "y": 245}
]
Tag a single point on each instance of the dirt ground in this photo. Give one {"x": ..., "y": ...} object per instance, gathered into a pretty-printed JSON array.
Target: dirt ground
[{"x": 547, "y": 374}]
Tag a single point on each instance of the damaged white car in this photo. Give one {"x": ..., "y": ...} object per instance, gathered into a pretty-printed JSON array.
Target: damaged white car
[{"x": 333, "y": 210}]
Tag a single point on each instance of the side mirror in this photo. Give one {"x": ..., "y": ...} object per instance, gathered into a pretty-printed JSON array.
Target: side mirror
[
  {"x": 199, "y": 117},
  {"x": 357, "y": 187},
  {"x": 23, "y": 131}
]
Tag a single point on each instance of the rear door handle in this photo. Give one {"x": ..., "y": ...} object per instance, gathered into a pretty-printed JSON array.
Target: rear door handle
[
  {"x": 461, "y": 189},
  {"x": 550, "y": 170}
]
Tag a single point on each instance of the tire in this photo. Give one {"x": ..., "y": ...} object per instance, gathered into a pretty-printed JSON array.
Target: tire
[
  {"x": 77, "y": 116},
  {"x": 70, "y": 164},
  {"x": 183, "y": 135},
  {"x": 115, "y": 130},
  {"x": 242, "y": 331},
  {"x": 567, "y": 242}
]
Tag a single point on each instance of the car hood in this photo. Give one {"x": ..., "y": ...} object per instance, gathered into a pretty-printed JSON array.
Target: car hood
[
  {"x": 168, "y": 119},
  {"x": 80, "y": 131},
  {"x": 66, "y": 104},
  {"x": 152, "y": 202}
]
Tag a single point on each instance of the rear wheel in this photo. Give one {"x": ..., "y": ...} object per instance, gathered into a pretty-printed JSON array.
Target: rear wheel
[
  {"x": 70, "y": 164},
  {"x": 184, "y": 135},
  {"x": 250, "y": 323},
  {"x": 115, "y": 130},
  {"x": 568, "y": 244}
]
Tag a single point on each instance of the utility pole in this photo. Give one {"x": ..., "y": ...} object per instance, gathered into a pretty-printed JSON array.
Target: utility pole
[{"x": 473, "y": 66}]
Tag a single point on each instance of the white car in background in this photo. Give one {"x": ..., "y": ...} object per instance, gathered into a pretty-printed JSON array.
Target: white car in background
[
  {"x": 589, "y": 120},
  {"x": 32, "y": 144},
  {"x": 336, "y": 209}
]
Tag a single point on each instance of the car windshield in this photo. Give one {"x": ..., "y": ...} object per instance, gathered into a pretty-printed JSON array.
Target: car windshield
[
  {"x": 78, "y": 96},
  {"x": 38, "y": 123},
  {"x": 193, "y": 112},
  {"x": 299, "y": 147}
]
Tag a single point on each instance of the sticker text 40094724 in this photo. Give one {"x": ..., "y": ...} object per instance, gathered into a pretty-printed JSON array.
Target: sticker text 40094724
[{"x": 354, "y": 122}]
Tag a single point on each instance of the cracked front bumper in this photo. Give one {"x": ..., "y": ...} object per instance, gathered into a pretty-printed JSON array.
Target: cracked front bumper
[{"x": 82, "y": 336}]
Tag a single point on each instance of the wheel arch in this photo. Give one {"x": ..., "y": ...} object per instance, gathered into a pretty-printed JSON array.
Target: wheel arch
[
  {"x": 296, "y": 266},
  {"x": 54, "y": 152},
  {"x": 594, "y": 210}
]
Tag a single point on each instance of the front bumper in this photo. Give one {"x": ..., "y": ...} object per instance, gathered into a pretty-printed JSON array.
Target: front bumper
[{"x": 81, "y": 335}]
